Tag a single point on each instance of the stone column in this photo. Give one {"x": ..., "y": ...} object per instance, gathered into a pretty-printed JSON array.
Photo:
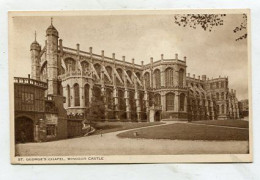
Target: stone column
[
  {"x": 115, "y": 96},
  {"x": 146, "y": 102},
  {"x": 163, "y": 101},
  {"x": 127, "y": 103},
  {"x": 138, "y": 108}
]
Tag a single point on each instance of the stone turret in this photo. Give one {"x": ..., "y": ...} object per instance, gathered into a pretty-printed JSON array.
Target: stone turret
[
  {"x": 35, "y": 59},
  {"x": 52, "y": 36}
]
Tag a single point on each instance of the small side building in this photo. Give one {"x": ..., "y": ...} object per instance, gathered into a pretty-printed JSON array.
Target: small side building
[{"x": 37, "y": 117}]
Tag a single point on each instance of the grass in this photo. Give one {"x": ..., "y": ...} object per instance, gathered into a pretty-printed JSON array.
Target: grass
[
  {"x": 229, "y": 123},
  {"x": 107, "y": 127},
  {"x": 187, "y": 131}
]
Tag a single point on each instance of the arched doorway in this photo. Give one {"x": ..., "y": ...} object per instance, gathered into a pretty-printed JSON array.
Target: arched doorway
[
  {"x": 24, "y": 130},
  {"x": 157, "y": 116}
]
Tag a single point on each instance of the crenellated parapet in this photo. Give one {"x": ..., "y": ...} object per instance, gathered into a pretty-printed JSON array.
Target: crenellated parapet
[{"x": 160, "y": 89}]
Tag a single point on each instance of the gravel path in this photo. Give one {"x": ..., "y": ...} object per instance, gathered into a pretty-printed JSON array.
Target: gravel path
[{"x": 110, "y": 144}]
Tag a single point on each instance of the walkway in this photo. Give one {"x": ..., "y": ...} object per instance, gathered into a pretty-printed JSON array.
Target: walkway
[{"x": 110, "y": 144}]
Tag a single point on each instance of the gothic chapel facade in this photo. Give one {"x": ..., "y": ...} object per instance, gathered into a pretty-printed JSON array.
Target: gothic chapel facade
[{"x": 160, "y": 90}]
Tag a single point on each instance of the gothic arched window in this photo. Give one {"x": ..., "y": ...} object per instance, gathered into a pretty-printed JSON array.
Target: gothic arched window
[
  {"x": 157, "y": 78},
  {"x": 85, "y": 66},
  {"x": 223, "y": 108},
  {"x": 222, "y": 95},
  {"x": 170, "y": 102},
  {"x": 132, "y": 100},
  {"x": 151, "y": 98},
  {"x": 141, "y": 99},
  {"x": 97, "y": 93},
  {"x": 182, "y": 102},
  {"x": 157, "y": 99},
  {"x": 217, "y": 85},
  {"x": 68, "y": 95},
  {"x": 70, "y": 64},
  {"x": 109, "y": 97},
  {"x": 217, "y": 96},
  {"x": 76, "y": 95},
  {"x": 181, "y": 77},
  {"x": 169, "y": 77},
  {"x": 218, "y": 109},
  {"x": 86, "y": 94},
  {"x": 147, "y": 79},
  {"x": 121, "y": 100},
  {"x": 222, "y": 84}
]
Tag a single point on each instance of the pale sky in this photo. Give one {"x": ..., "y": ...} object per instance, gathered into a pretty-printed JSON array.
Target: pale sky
[{"x": 141, "y": 37}]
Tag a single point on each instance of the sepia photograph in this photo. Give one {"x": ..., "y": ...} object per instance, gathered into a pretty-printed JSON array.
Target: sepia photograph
[{"x": 130, "y": 86}]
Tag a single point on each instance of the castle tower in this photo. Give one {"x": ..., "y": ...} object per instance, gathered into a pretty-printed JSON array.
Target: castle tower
[
  {"x": 52, "y": 36},
  {"x": 35, "y": 59}
]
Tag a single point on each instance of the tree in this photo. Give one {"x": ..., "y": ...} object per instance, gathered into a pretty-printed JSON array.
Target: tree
[
  {"x": 208, "y": 22},
  {"x": 95, "y": 111}
]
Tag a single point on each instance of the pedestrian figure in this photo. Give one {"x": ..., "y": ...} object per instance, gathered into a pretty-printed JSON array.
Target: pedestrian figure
[{"x": 101, "y": 132}]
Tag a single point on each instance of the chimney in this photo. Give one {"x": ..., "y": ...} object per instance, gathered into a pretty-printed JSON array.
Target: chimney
[
  {"x": 133, "y": 61},
  {"x": 142, "y": 63},
  {"x": 113, "y": 56},
  {"x": 199, "y": 77},
  {"x": 151, "y": 60},
  {"x": 194, "y": 76},
  {"x": 90, "y": 50},
  {"x": 161, "y": 56},
  {"x": 176, "y": 56},
  {"x": 102, "y": 54},
  {"x": 123, "y": 58},
  {"x": 204, "y": 77},
  {"x": 185, "y": 58}
]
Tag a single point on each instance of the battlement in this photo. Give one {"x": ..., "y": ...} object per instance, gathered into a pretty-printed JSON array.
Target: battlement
[
  {"x": 112, "y": 59},
  {"x": 33, "y": 82}
]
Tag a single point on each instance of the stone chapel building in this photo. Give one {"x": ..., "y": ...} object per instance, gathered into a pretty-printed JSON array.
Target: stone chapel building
[{"x": 159, "y": 90}]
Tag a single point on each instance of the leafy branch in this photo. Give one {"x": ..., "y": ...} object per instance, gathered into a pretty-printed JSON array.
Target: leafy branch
[{"x": 208, "y": 21}]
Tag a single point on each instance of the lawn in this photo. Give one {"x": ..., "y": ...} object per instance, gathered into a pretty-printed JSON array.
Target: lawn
[
  {"x": 187, "y": 131},
  {"x": 230, "y": 123},
  {"x": 106, "y": 127}
]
